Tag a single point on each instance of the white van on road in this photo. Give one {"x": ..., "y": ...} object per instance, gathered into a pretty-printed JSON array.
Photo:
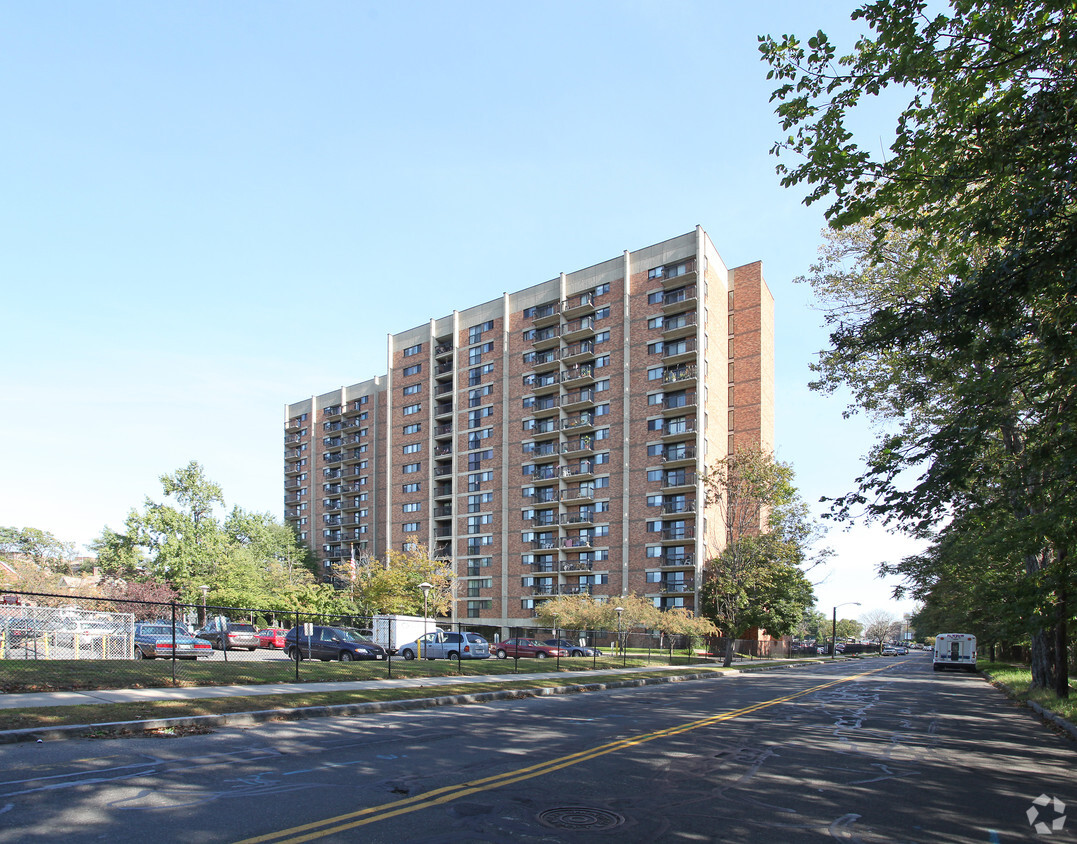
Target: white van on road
[{"x": 954, "y": 650}]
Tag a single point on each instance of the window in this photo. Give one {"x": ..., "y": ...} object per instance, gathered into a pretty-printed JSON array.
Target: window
[
  {"x": 655, "y": 398},
  {"x": 413, "y": 448},
  {"x": 413, "y": 389},
  {"x": 602, "y": 289},
  {"x": 474, "y": 376},
  {"x": 602, "y": 361},
  {"x": 474, "y": 439},
  {"x": 413, "y": 507},
  {"x": 602, "y": 433},
  {"x": 475, "y": 417},
  {"x": 475, "y": 353},
  {"x": 655, "y": 474},
  {"x": 475, "y": 523},
  {"x": 654, "y": 576},
  {"x": 416, "y": 487},
  {"x": 474, "y": 397},
  {"x": 413, "y": 370},
  {"x": 475, "y": 458},
  {"x": 412, "y": 468},
  {"x": 602, "y": 483},
  {"x": 476, "y": 480},
  {"x": 474, "y": 334},
  {"x": 656, "y": 373},
  {"x": 602, "y": 386},
  {"x": 475, "y": 502},
  {"x": 656, "y": 322},
  {"x": 412, "y": 409},
  {"x": 411, "y": 527},
  {"x": 656, "y": 298},
  {"x": 655, "y": 450},
  {"x": 603, "y": 457},
  {"x": 413, "y": 350},
  {"x": 602, "y": 337},
  {"x": 414, "y": 428},
  {"x": 602, "y": 409},
  {"x": 602, "y": 313}
]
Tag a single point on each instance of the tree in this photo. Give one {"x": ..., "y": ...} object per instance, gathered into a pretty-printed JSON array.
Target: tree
[
  {"x": 40, "y": 546},
  {"x": 757, "y": 579},
  {"x": 249, "y": 560},
  {"x": 879, "y": 625},
  {"x": 980, "y": 180},
  {"x": 848, "y": 628},
  {"x": 391, "y": 586}
]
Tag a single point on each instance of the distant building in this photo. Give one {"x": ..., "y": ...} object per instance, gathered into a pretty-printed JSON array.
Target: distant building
[{"x": 550, "y": 441}]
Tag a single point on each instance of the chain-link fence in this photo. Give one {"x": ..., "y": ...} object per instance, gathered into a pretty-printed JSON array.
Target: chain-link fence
[{"x": 154, "y": 643}]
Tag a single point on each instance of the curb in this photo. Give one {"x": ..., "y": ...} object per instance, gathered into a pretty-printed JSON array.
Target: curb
[
  {"x": 299, "y": 713},
  {"x": 1043, "y": 712}
]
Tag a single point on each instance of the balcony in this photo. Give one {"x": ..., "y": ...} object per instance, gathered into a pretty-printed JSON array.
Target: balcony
[
  {"x": 331, "y": 489},
  {"x": 292, "y": 439},
  {"x": 680, "y": 299},
  {"x": 442, "y": 431},
  {"x": 444, "y": 368},
  {"x": 442, "y": 450},
  {"x": 680, "y": 375},
  {"x": 292, "y": 468},
  {"x": 543, "y": 544},
  {"x": 582, "y": 421},
  {"x": 676, "y": 586},
  {"x": 576, "y": 565},
  {"x": 679, "y": 400},
  {"x": 578, "y": 305},
  {"x": 678, "y": 478},
  {"x": 293, "y": 498},
  {"x": 541, "y": 449},
  {"x": 583, "y": 492},
  {"x": 546, "y": 338},
  {"x": 678, "y": 274},
  {"x": 584, "y": 467},
  {"x": 352, "y": 424},
  {"x": 576, "y": 352},
  {"x": 330, "y": 427},
  {"x": 678, "y": 534},
  {"x": 544, "y": 590},
  {"x": 442, "y": 472},
  {"x": 332, "y": 410},
  {"x": 679, "y": 428},
  {"x": 545, "y": 314},
  {"x": 578, "y": 445},
  {"x": 679, "y": 454},
  {"x": 680, "y": 325},
  {"x": 442, "y": 349},
  {"x": 677, "y": 561},
  {"x": 443, "y": 532},
  {"x": 292, "y": 484},
  {"x": 334, "y": 520},
  {"x": 540, "y": 361},
  {"x": 578, "y": 374},
  {"x": 333, "y": 457},
  {"x": 679, "y": 507},
  {"x": 442, "y": 410},
  {"x": 578, "y": 328},
  {"x": 577, "y": 399},
  {"x": 543, "y": 406},
  {"x": 443, "y": 389},
  {"x": 578, "y": 542},
  {"x": 333, "y": 473},
  {"x": 543, "y": 495},
  {"x": 578, "y": 519},
  {"x": 576, "y": 590},
  {"x": 443, "y": 491},
  {"x": 442, "y": 511}
]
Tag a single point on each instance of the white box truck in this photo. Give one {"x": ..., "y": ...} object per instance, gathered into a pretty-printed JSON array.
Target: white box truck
[
  {"x": 392, "y": 631},
  {"x": 954, "y": 650}
]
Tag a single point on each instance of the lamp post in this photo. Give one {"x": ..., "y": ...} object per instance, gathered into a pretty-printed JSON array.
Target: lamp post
[
  {"x": 205, "y": 591},
  {"x": 834, "y": 628},
  {"x": 426, "y": 587},
  {"x": 620, "y": 641}
]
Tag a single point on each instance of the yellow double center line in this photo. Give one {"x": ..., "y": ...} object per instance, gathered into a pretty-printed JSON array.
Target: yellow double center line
[{"x": 439, "y": 796}]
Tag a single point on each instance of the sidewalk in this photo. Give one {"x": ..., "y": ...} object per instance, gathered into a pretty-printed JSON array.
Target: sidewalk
[{"x": 21, "y": 700}]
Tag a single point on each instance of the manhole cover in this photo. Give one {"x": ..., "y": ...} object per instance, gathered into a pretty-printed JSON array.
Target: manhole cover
[{"x": 580, "y": 817}]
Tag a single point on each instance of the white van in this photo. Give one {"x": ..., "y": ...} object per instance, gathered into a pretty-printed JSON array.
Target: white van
[{"x": 954, "y": 650}]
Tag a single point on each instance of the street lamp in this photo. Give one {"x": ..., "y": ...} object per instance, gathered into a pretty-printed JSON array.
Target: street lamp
[
  {"x": 620, "y": 641},
  {"x": 205, "y": 591},
  {"x": 834, "y": 628},
  {"x": 426, "y": 587}
]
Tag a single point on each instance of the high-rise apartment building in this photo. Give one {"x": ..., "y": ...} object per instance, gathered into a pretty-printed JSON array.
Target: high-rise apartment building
[{"x": 551, "y": 441}]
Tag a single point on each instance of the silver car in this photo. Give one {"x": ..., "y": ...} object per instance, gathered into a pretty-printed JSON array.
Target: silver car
[{"x": 439, "y": 644}]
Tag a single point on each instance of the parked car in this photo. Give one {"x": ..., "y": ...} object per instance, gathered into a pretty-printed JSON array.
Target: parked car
[
  {"x": 180, "y": 625},
  {"x": 239, "y": 635},
  {"x": 271, "y": 637},
  {"x": 326, "y": 643},
  {"x": 890, "y": 650},
  {"x": 17, "y": 630},
  {"x": 523, "y": 648},
  {"x": 439, "y": 644},
  {"x": 573, "y": 650},
  {"x": 901, "y": 650},
  {"x": 154, "y": 640}
]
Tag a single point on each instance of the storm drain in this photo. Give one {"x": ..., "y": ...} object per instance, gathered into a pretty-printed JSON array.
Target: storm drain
[{"x": 580, "y": 817}]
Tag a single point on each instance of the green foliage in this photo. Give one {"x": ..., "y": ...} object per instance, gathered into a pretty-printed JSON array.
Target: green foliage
[
  {"x": 974, "y": 345},
  {"x": 391, "y": 586},
  {"x": 757, "y": 579},
  {"x": 248, "y": 560},
  {"x": 39, "y": 546}
]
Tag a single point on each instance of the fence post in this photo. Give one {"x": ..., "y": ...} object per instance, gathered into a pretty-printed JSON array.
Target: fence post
[
  {"x": 173, "y": 604},
  {"x": 297, "y": 653}
]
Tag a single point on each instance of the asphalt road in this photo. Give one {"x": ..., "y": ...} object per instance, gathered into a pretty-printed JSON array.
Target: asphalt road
[{"x": 871, "y": 751}]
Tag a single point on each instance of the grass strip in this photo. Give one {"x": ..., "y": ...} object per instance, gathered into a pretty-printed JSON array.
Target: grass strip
[
  {"x": 1016, "y": 680},
  {"x": 104, "y": 713}
]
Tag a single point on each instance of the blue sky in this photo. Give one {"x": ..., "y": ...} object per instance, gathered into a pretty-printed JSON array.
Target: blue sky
[{"x": 188, "y": 190}]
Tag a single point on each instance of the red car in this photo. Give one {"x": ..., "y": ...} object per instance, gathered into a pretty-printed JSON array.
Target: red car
[
  {"x": 271, "y": 637},
  {"x": 523, "y": 648}
]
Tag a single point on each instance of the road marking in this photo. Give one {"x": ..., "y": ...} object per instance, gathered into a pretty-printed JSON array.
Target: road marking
[{"x": 449, "y": 793}]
